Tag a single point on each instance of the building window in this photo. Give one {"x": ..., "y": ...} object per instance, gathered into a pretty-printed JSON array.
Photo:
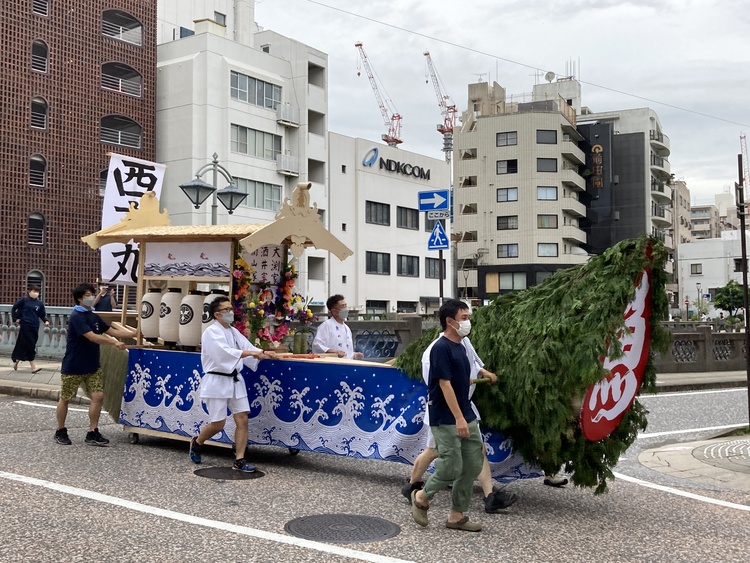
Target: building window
[
  {"x": 376, "y": 307},
  {"x": 507, "y": 250},
  {"x": 260, "y": 194},
  {"x": 122, "y": 26},
  {"x": 39, "y": 56},
  {"x": 36, "y": 229},
  {"x": 406, "y": 306},
  {"x": 468, "y": 154},
  {"x": 546, "y": 165},
  {"x": 507, "y": 222},
  {"x": 119, "y": 130},
  {"x": 220, "y": 18},
  {"x": 506, "y": 139},
  {"x": 546, "y": 193},
  {"x": 186, "y": 32},
  {"x": 255, "y": 143},
  {"x": 432, "y": 269},
  {"x": 377, "y": 213},
  {"x": 507, "y": 166},
  {"x": 37, "y": 171},
  {"x": 512, "y": 281},
  {"x": 35, "y": 277},
  {"x": 103, "y": 182},
  {"x": 265, "y": 48},
  {"x": 253, "y": 91},
  {"x": 429, "y": 225},
  {"x": 316, "y": 268},
  {"x": 343, "y": 168},
  {"x": 546, "y": 137},
  {"x": 343, "y": 279},
  {"x": 122, "y": 78},
  {"x": 696, "y": 269},
  {"x": 738, "y": 264},
  {"x": 39, "y": 110},
  {"x": 378, "y": 263},
  {"x": 407, "y": 218},
  {"x": 407, "y": 266},
  {"x": 507, "y": 194},
  {"x": 546, "y": 221},
  {"x": 542, "y": 276},
  {"x": 546, "y": 249},
  {"x": 40, "y": 7}
]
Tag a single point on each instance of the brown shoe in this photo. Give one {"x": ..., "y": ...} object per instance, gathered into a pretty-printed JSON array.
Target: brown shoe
[
  {"x": 418, "y": 511},
  {"x": 464, "y": 525}
]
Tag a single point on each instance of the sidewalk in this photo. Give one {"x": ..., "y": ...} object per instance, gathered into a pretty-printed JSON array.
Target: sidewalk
[{"x": 720, "y": 461}]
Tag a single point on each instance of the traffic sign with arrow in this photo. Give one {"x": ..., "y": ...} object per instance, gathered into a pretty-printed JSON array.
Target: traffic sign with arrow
[{"x": 433, "y": 200}]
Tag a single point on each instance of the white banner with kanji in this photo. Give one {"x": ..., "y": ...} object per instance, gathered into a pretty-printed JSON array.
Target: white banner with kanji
[{"x": 128, "y": 179}]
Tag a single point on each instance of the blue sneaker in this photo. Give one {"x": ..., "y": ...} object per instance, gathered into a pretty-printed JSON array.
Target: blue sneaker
[
  {"x": 195, "y": 451},
  {"x": 242, "y": 465}
]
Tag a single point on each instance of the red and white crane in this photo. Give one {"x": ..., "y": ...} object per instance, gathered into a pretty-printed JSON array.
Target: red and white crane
[
  {"x": 393, "y": 120},
  {"x": 447, "y": 109}
]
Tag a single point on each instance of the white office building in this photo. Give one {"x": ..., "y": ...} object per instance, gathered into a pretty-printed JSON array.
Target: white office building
[
  {"x": 256, "y": 99},
  {"x": 374, "y": 211}
]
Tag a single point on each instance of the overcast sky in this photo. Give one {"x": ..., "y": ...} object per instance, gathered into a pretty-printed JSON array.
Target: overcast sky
[{"x": 692, "y": 54}]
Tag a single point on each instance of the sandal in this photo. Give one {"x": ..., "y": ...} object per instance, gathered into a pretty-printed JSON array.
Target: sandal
[
  {"x": 418, "y": 511},
  {"x": 15, "y": 366},
  {"x": 464, "y": 525}
]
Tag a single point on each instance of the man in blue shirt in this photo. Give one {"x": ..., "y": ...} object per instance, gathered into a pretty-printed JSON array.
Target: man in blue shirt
[
  {"x": 80, "y": 365},
  {"x": 452, "y": 421}
]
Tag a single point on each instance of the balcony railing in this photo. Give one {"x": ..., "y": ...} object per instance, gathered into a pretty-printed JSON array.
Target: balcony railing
[
  {"x": 123, "y": 138},
  {"x": 287, "y": 165},
  {"x": 40, "y": 7},
  {"x": 125, "y": 85},
  {"x": 288, "y": 115},
  {"x": 36, "y": 178},
  {"x": 38, "y": 119},
  {"x": 657, "y": 186},
  {"x": 38, "y": 63},
  {"x": 36, "y": 236},
  {"x": 657, "y": 161},
  {"x": 134, "y": 35}
]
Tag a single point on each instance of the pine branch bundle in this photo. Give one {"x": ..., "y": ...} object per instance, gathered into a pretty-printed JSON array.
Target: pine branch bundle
[
  {"x": 114, "y": 364},
  {"x": 545, "y": 344}
]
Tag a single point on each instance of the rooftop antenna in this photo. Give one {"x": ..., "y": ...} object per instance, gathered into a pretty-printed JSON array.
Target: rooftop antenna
[
  {"x": 550, "y": 76},
  {"x": 480, "y": 75}
]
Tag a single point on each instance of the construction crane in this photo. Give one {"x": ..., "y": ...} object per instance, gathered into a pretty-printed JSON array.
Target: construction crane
[
  {"x": 447, "y": 109},
  {"x": 745, "y": 163},
  {"x": 393, "y": 120}
]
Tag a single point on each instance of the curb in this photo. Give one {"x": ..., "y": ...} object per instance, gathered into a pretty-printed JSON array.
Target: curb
[
  {"x": 50, "y": 392},
  {"x": 671, "y": 388}
]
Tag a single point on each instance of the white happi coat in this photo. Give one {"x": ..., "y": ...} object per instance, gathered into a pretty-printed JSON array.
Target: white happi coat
[
  {"x": 476, "y": 364},
  {"x": 220, "y": 351},
  {"x": 333, "y": 335}
]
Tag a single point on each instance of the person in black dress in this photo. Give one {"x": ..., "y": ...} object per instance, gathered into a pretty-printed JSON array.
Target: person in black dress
[{"x": 27, "y": 312}]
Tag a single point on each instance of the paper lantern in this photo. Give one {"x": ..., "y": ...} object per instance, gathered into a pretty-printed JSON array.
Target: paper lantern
[
  {"x": 150, "y": 314},
  {"x": 191, "y": 309},
  {"x": 169, "y": 316}
]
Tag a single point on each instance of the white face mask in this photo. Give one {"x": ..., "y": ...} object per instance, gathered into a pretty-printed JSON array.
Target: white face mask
[
  {"x": 88, "y": 301},
  {"x": 227, "y": 317},
  {"x": 464, "y": 328},
  {"x": 344, "y": 314}
]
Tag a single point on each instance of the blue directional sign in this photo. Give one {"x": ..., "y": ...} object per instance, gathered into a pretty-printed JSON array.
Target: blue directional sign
[
  {"x": 433, "y": 200},
  {"x": 438, "y": 238}
]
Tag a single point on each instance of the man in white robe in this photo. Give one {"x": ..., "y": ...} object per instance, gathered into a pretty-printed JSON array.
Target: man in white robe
[
  {"x": 333, "y": 336},
  {"x": 224, "y": 350}
]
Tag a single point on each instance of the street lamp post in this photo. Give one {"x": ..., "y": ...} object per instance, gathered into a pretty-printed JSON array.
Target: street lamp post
[
  {"x": 198, "y": 191},
  {"x": 700, "y": 300}
]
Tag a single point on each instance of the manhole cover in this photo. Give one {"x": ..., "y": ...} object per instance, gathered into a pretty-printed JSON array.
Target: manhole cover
[
  {"x": 227, "y": 473},
  {"x": 342, "y": 528},
  {"x": 733, "y": 455}
]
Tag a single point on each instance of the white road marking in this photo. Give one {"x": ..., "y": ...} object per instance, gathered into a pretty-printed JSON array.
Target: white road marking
[
  {"x": 683, "y": 393},
  {"x": 215, "y": 524},
  {"x": 689, "y": 430},
  {"x": 30, "y": 404},
  {"x": 680, "y": 493}
]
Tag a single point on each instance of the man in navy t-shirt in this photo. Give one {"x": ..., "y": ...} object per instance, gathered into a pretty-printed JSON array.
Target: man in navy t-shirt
[
  {"x": 452, "y": 421},
  {"x": 80, "y": 365}
]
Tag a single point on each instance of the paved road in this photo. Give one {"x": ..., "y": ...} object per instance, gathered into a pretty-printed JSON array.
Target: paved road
[{"x": 143, "y": 502}]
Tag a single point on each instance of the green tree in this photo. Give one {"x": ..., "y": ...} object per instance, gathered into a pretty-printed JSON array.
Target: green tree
[{"x": 729, "y": 297}]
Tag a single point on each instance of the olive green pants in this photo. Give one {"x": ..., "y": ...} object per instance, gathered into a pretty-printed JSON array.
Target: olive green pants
[{"x": 459, "y": 463}]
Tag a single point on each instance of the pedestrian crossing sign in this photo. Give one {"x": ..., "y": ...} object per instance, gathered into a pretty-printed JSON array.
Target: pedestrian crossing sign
[{"x": 438, "y": 238}]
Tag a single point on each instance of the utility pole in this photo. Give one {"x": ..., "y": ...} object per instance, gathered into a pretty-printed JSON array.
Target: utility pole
[{"x": 740, "y": 193}]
